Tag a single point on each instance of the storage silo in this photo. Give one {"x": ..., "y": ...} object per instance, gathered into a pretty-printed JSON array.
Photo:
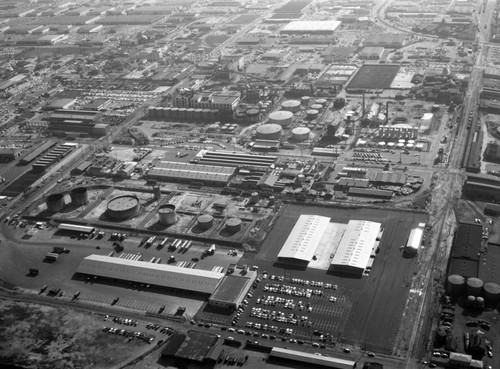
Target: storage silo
[
  {"x": 305, "y": 100},
  {"x": 269, "y": 132},
  {"x": 311, "y": 114},
  {"x": 167, "y": 113},
  {"x": 198, "y": 114},
  {"x": 55, "y": 202},
  {"x": 300, "y": 134},
  {"x": 455, "y": 285},
  {"x": 291, "y": 105},
  {"x": 151, "y": 112},
  {"x": 159, "y": 112},
  {"x": 190, "y": 113},
  {"x": 205, "y": 221},
  {"x": 233, "y": 225},
  {"x": 492, "y": 292},
  {"x": 182, "y": 113},
  {"x": 253, "y": 115},
  {"x": 283, "y": 118},
  {"x": 474, "y": 286},
  {"x": 174, "y": 113},
  {"x": 205, "y": 115},
  {"x": 79, "y": 196},
  {"x": 321, "y": 102},
  {"x": 167, "y": 214},
  {"x": 214, "y": 114}
]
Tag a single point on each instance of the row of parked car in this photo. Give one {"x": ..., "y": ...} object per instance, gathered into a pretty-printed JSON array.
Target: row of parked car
[{"x": 130, "y": 335}]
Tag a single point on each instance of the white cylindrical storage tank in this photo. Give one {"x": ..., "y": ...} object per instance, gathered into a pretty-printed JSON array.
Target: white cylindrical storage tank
[
  {"x": 305, "y": 100},
  {"x": 269, "y": 132},
  {"x": 491, "y": 292},
  {"x": 311, "y": 114},
  {"x": 233, "y": 225},
  {"x": 319, "y": 107},
  {"x": 301, "y": 134},
  {"x": 291, "y": 105},
  {"x": 455, "y": 285},
  {"x": 205, "y": 221},
  {"x": 283, "y": 118},
  {"x": 474, "y": 286},
  {"x": 321, "y": 102},
  {"x": 167, "y": 214}
]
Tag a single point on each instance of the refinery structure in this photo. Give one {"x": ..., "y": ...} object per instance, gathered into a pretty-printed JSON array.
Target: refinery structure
[{"x": 277, "y": 183}]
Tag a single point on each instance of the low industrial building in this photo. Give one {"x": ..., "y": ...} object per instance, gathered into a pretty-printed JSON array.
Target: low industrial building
[
  {"x": 235, "y": 159},
  {"x": 370, "y": 192},
  {"x": 186, "y": 172},
  {"x": 371, "y": 53},
  {"x": 232, "y": 290},
  {"x": 161, "y": 275},
  {"x": 356, "y": 246},
  {"x": 7, "y": 155},
  {"x": 301, "y": 244},
  {"x": 310, "y": 27},
  {"x": 415, "y": 239},
  {"x": 464, "y": 258},
  {"x": 308, "y": 359}
]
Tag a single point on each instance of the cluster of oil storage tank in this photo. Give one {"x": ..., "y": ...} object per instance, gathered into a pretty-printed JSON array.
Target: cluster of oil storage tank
[
  {"x": 174, "y": 114},
  {"x": 123, "y": 207},
  {"x": 55, "y": 201},
  {"x": 477, "y": 292}
]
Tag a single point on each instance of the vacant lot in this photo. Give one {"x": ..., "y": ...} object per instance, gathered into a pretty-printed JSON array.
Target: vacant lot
[
  {"x": 35, "y": 336},
  {"x": 374, "y": 76}
]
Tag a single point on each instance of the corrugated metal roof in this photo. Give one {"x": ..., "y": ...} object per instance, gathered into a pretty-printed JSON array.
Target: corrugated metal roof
[
  {"x": 198, "y": 280},
  {"x": 304, "y": 237},
  {"x": 356, "y": 244}
]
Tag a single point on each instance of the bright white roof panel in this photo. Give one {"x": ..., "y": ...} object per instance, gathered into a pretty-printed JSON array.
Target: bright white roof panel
[
  {"x": 415, "y": 238},
  {"x": 356, "y": 244},
  {"x": 304, "y": 26},
  {"x": 198, "y": 280},
  {"x": 304, "y": 237},
  {"x": 307, "y": 357}
]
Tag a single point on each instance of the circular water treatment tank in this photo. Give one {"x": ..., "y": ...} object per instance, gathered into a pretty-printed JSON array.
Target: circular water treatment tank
[
  {"x": 291, "y": 105},
  {"x": 167, "y": 214},
  {"x": 269, "y": 132},
  {"x": 492, "y": 292},
  {"x": 205, "y": 221},
  {"x": 123, "y": 207},
  {"x": 474, "y": 286},
  {"x": 300, "y": 134},
  {"x": 55, "y": 202},
  {"x": 233, "y": 225},
  {"x": 455, "y": 285},
  {"x": 281, "y": 117},
  {"x": 79, "y": 196}
]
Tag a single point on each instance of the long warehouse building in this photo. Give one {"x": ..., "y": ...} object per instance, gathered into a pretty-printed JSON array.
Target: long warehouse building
[
  {"x": 356, "y": 247},
  {"x": 162, "y": 275},
  {"x": 311, "y": 359},
  {"x": 184, "y": 172},
  {"x": 303, "y": 240},
  {"x": 235, "y": 159}
]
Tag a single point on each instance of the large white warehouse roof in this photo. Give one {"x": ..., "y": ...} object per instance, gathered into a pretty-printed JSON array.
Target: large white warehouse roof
[
  {"x": 312, "y": 26},
  {"x": 197, "y": 280},
  {"x": 356, "y": 245},
  {"x": 304, "y": 238}
]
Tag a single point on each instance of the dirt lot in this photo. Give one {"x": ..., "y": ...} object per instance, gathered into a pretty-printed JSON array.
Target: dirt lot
[{"x": 45, "y": 337}]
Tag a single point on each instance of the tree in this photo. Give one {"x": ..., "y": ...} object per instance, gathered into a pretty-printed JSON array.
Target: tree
[{"x": 339, "y": 103}]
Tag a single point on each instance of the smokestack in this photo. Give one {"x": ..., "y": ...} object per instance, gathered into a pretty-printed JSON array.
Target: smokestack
[
  {"x": 363, "y": 110},
  {"x": 387, "y": 113}
]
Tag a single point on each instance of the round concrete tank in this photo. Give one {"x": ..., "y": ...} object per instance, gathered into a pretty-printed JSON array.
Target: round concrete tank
[
  {"x": 55, "y": 202},
  {"x": 269, "y": 132},
  {"x": 291, "y": 105},
  {"x": 205, "y": 221},
  {"x": 474, "y": 286},
  {"x": 316, "y": 106},
  {"x": 301, "y": 134},
  {"x": 492, "y": 292},
  {"x": 311, "y": 114},
  {"x": 455, "y": 285},
  {"x": 123, "y": 207},
  {"x": 283, "y": 118},
  {"x": 79, "y": 196},
  {"x": 233, "y": 225},
  {"x": 321, "y": 102},
  {"x": 305, "y": 100},
  {"x": 167, "y": 214}
]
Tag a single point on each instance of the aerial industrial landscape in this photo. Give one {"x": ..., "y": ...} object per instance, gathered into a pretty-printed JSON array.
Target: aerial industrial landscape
[{"x": 256, "y": 183}]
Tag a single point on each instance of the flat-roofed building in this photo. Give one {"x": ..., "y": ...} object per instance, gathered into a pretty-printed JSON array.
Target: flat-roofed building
[
  {"x": 311, "y": 359},
  {"x": 303, "y": 240},
  {"x": 415, "y": 239},
  {"x": 355, "y": 248},
  {"x": 161, "y": 275},
  {"x": 232, "y": 290},
  {"x": 186, "y": 172},
  {"x": 310, "y": 27}
]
